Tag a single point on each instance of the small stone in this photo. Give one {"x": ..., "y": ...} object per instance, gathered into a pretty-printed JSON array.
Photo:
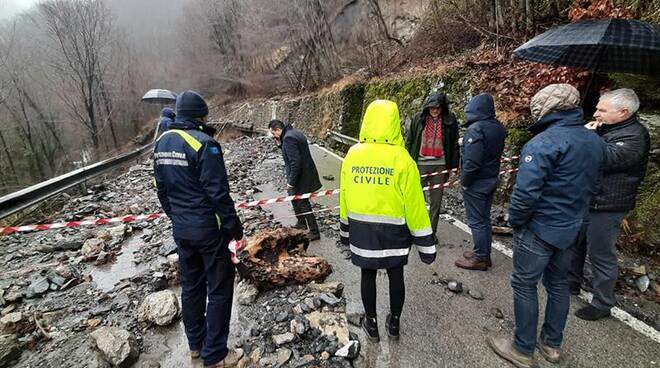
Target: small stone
[
  {"x": 92, "y": 247},
  {"x": 8, "y": 309},
  {"x": 118, "y": 346},
  {"x": 105, "y": 235},
  {"x": 10, "y": 350},
  {"x": 643, "y": 283},
  {"x": 298, "y": 327},
  {"x": 308, "y": 358},
  {"x": 455, "y": 286},
  {"x": 497, "y": 313},
  {"x": 335, "y": 288},
  {"x": 38, "y": 286},
  {"x": 150, "y": 364},
  {"x": 15, "y": 323},
  {"x": 256, "y": 354},
  {"x": 283, "y": 356},
  {"x": 329, "y": 177},
  {"x": 325, "y": 355},
  {"x": 639, "y": 270},
  {"x": 160, "y": 308},
  {"x": 135, "y": 209},
  {"x": 168, "y": 247},
  {"x": 246, "y": 292},
  {"x": 329, "y": 299},
  {"x": 57, "y": 280},
  {"x": 298, "y": 309},
  {"x": 102, "y": 258},
  {"x": 354, "y": 318},
  {"x": 282, "y": 316},
  {"x": 284, "y": 338},
  {"x": 350, "y": 350},
  {"x": 475, "y": 294}
]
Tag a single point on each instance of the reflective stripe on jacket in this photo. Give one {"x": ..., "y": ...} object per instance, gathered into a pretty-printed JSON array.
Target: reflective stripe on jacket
[
  {"x": 192, "y": 183},
  {"x": 382, "y": 208}
]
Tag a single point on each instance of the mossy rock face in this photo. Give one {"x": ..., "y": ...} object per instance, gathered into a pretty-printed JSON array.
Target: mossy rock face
[
  {"x": 352, "y": 99},
  {"x": 644, "y": 220}
]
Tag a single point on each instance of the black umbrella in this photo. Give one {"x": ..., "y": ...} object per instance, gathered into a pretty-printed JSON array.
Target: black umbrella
[
  {"x": 159, "y": 96},
  {"x": 602, "y": 45}
]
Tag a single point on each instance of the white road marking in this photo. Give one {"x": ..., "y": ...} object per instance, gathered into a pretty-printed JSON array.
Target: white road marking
[{"x": 617, "y": 313}]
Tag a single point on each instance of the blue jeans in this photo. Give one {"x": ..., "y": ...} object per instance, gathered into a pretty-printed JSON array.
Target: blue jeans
[
  {"x": 206, "y": 271},
  {"x": 478, "y": 199},
  {"x": 533, "y": 258}
]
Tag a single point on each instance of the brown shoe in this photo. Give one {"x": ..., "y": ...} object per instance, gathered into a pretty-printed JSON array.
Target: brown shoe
[
  {"x": 231, "y": 360},
  {"x": 470, "y": 254},
  {"x": 472, "y": 264},
  {"x": 553, "y": 355},
  {"x": 503, "y": 347},
  {"x": 195, "y": 354}
]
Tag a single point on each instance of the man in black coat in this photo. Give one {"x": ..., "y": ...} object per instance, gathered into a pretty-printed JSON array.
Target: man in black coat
[
  {"x": 301, "y": 173},
  {"x": 628, "y": 145},
  {"x": 432, "y": 142}
]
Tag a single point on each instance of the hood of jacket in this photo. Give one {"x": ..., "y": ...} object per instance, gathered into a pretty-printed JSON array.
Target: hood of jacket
[
  {"x": 167, "y": 112},
  {"x": 436, "y": 99},
  {"x": 570, "y": 117},
  {"x": 381, "y": 124},
  {"x": 554, "y": 97},
  {"x": 480, "y": 108}
]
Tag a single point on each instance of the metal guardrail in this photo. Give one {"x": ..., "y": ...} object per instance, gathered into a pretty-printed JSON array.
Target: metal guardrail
[
  {"x": 17, "y": 201},
  {"x": 341, "y": 138}
]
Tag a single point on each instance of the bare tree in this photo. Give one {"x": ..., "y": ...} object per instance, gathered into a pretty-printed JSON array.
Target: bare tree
[{"x": 81, "y": 32}]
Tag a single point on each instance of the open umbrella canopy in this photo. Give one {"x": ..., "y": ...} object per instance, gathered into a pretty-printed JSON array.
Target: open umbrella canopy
[
  {"x": 603, "y": 45},
  {"x": 159, "y": 96}
]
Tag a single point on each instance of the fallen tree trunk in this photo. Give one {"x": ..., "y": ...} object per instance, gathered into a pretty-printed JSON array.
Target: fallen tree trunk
[{"x": 278, "y": 258}]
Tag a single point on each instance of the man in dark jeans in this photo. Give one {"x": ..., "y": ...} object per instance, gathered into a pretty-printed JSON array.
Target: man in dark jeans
[
  {"x": 193, "y": 190},
  {"x": 628, "y": 145},
  {"x": 481, "y": 151},
  {"x": 558, "y": 175},
  {"x": 432, "y": 142},
  {"x": 301, "y": 173}
]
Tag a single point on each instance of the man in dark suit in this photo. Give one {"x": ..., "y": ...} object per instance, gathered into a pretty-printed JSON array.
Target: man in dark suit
[{"x": 301, "y": 174}]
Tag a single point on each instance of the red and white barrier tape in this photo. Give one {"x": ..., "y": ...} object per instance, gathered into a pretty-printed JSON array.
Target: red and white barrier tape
[
  {"x": 152, "y": 216},
  {"x": 503, "y": 159}
]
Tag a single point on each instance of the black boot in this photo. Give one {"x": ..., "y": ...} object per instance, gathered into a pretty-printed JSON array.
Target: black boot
[
  {"x": 591, "y": 313},
  {"x": 392, "y": 324},
  {"x": 370, "y": 327}
]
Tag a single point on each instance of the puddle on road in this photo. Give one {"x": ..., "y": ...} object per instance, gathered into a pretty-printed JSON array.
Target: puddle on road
[
  {"x": 281, "y": 211},
  {"x": 109, "y": 274}
]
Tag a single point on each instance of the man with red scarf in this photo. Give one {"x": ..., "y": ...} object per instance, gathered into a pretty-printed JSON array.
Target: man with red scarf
[{"x": 432, "y": 142}]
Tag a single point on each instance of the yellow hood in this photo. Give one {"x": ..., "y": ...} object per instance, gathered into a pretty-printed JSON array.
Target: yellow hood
[{"x": 381, "y": 124}]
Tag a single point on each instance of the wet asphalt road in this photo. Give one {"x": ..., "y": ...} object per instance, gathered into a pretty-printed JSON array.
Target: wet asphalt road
[{"x": 443, "y": 329}]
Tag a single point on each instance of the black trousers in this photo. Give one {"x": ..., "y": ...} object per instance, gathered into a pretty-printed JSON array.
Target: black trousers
[
  {"x": 307, "y": 221},
  {"x": 397, "y": 291},
  {"x": 207, "y": 289}
]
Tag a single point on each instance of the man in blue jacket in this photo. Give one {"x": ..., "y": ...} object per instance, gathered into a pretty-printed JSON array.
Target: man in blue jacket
[
  {"x": 194, "y": 192},
  {"x": 481, "y": 150},
  {"x": 559, "y": 174}
]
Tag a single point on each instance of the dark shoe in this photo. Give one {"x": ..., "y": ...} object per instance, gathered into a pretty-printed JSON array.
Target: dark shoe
[
  {"x": 470, "y": 254},
  {"x": 370, "y": 327},
  {"x": 591, "y": 313},
  {"x": 503, "y": 347},
  {"x": 472, "y": 264},
  {"x": 231, "y": 360},
  {"x": 553, "y": 355},
  {"x": 392, "y": 324},
  {"x": 313, "y": 235}
]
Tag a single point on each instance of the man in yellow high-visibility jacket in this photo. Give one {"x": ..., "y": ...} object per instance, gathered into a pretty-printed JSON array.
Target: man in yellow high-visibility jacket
[{"x": 382, "y": 211}]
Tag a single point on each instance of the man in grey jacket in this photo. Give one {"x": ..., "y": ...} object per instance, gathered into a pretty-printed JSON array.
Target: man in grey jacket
[{"x": 628, "y": 145}]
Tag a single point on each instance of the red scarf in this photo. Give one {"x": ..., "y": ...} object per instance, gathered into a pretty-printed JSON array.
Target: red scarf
[{"x": 432, "y": 138}]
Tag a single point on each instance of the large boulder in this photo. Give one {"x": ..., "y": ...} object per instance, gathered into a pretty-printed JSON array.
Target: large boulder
[
  {"x": 160, "y": 308},
  {"x": 118, "y": 346},
  {"x": 278, "y": 258},
  {"x": 9, "y": 350}
]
